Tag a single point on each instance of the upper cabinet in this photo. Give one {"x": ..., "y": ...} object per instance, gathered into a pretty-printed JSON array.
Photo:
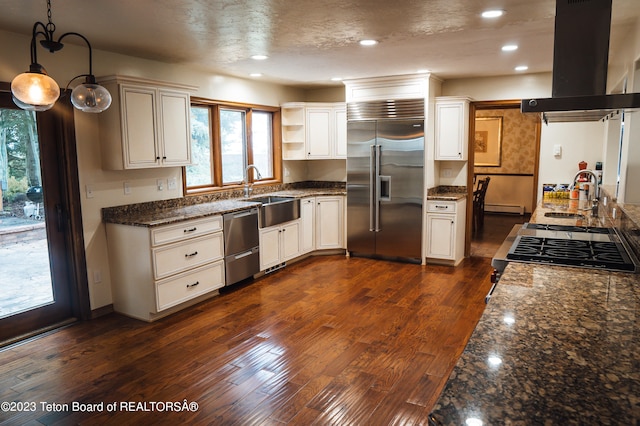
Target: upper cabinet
[
  {"x": 452, "y": 128},
  {"x": 314, "y": 131},
  {"x": 147, "y": 126}
]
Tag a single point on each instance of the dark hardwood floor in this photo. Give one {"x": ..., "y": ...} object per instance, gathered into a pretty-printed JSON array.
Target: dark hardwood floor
[
  {"x": 486, "y": 241},
  {"x": 328, "y": 340}
]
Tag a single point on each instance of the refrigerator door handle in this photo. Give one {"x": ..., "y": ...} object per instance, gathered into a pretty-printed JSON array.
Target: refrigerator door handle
[
  {"x": 377, "y": 179},
  {"x": 385, "y": 188},
  {"x": 372, "y": 186}
]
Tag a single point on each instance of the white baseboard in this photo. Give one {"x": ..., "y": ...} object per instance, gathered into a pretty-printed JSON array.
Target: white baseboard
[{"x": 504, "y": 208}]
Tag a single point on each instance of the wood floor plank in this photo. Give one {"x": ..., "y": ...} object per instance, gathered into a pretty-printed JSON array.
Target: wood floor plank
[{"x": 327, "y": 340}]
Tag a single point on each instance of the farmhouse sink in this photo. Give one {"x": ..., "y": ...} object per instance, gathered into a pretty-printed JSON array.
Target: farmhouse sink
[
  {"x": 276, "y": 210},
  {"x": 563, "y": 215}
]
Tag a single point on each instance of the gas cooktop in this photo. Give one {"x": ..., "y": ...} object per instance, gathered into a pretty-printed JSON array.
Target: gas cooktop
[
  {"x": 566, "y": 228},
  {"x": 571, "y": 246}
]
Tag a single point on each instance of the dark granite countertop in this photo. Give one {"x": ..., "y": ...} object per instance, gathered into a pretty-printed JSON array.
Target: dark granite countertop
[
  {"x": 555, "y": 346},
  {"x": 164, "y": 213},
  {"x": 447, "y": 193}
]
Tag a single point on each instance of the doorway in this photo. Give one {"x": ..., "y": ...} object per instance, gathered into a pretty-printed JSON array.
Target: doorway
[
  {"x": 42, "y": 260},
  {"x": 504, "y": 146}
]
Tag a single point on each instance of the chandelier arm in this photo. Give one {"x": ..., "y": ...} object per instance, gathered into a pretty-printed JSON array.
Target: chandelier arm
[
  {"x": 88, "y": 45},
  {"x": 34, "y": 36},
  {"x": 75, "y": 78}
]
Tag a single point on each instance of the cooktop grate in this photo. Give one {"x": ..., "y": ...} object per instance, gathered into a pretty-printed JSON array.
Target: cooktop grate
[
  {"x": 608, "y": 255},
  {"x": 568, "y": 228}
]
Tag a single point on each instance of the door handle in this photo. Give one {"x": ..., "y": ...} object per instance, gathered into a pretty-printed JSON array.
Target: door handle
[
  {"x": 241, "y": 255},
  {"x": 59, "y": 218}
]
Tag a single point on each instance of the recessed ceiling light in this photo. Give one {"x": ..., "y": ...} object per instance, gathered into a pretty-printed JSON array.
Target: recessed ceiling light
[
  {"x": 521, "y": 68},
  {"x": 259, "y": 57},
  {"x": 255, "y": 74},
  {"x": 509, "y": 47},
  {"x": 368, "y": 42},
  {"x": 492, "y": 13},
  {"x": 336, "y": 79},
  {"x": 424, "y": 71}
]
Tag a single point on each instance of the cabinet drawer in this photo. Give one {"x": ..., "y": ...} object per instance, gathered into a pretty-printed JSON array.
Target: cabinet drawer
[
  {"x": 441, "y": 206},
  {"x": 178, "y": 257},
  {"x": 183, "y": 287},
  {"x": 184, "y": 230}
]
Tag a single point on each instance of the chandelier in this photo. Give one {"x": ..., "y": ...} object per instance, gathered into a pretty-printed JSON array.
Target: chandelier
[{"x": 34, "y": 90}]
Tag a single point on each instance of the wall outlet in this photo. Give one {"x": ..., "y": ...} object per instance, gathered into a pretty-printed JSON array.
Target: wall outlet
[
  {"x": 97, "y": 276},
  {"x": 89, "y": 191},
  {"x": 446, "y": 172},
  {"x": 127, "y": 188},
  {"x": 172, "y": 184},
  {"x": 160, "y": 184}
]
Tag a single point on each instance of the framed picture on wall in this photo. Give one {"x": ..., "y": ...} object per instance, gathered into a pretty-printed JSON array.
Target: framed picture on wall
[{"x": 488, "y": 142}]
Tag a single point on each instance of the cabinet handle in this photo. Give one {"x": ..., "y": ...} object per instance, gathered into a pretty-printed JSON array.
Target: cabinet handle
[
  {"x": 191, "y": 254},
  {"x": 193, "y": 285},
  {"x": 157, "y": 158},
  {"x": 164, "y": 158},
  {"x": 190, "y": 229},
  {"x": 441, "y": 207}
]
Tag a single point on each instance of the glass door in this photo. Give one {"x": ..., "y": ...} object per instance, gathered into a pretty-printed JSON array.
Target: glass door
[{"x": 35, "y": 277}]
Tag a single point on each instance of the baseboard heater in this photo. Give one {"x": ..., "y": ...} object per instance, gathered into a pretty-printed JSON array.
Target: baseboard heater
[{"x": 504, "y": 208}]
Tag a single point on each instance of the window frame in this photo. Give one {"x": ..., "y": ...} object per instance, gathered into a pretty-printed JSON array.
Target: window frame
[{"x": 216, "y": 145}]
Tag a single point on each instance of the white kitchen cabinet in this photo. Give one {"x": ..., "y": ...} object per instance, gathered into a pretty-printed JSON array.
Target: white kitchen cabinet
[
  {"x": 147, "y": 126},
  {"x": 307, "y": 224},
  {"x": 452, "y": 128},
  {"x": 445, "y": 230},
  {"x": 329, "y": 229},
  {"x": 313, "y": 131},
  {"x": 293, "y": 131},
  {"x": 279, "y": 244},
  {"x": 157, "y": 271}
]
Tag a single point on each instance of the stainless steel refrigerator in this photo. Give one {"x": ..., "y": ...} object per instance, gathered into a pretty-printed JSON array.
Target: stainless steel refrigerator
[{"x": 385, "y": 178}]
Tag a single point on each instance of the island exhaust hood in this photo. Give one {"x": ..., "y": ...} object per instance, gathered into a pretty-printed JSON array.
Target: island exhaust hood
[{"x": 580, "y": 60}]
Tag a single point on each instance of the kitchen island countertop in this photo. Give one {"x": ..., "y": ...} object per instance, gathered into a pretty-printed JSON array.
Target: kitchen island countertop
[{"x": 555, "y": 345}]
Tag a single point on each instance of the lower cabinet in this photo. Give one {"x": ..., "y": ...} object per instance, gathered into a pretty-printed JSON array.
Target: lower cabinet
[
  {"x": 279, "y": 244},
  {"x": 307, "y": 225},
  {"x": 157, "y": 271},
  {"x": 445, "y": 230},
  {"x": 329, "y": 223}
]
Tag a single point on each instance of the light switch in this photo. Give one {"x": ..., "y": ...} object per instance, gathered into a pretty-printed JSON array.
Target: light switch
[
  {"x": 89, "y": 191},
  {"x": 557, "y": 150},
  {"x": 127, "y": 188},
  {"x": 160, "y": 184}
]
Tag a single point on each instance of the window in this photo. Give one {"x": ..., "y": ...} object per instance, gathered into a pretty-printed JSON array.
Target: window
[{"x": 225, "y": 139}]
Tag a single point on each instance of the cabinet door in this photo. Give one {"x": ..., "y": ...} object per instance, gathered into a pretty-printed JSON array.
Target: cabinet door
[
  {"x": 451, "y": 135},
  {"x": 290, "y": 240},
  {"x": 340, "y": 139},
  {"x": 175, "y": 132},
  {"x": 329, "y": 222},
  {"x": 139, "y": 127},
  {"x": 441, "y": 231},
  {"x": 318, "y": 132},
  {"x": 307, "y": 224},
  {"x": 269, "y": 247}
]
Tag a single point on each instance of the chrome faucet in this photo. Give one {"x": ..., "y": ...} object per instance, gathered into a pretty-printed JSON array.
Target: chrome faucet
[
  {"x": 248, "y": 186},
  {"x": 596, "y": 192}
]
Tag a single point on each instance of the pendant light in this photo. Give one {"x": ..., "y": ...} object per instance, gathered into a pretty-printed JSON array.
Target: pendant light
[{"x": 34, "y": 90}]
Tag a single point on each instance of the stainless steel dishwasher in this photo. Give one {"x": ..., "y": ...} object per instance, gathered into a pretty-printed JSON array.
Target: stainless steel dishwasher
[{"x": 241, "y": 245}]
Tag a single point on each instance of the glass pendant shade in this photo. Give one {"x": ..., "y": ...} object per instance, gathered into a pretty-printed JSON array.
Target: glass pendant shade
[
  {"x": 90, "y": 97},
  {"x": 35, "y": 91}
]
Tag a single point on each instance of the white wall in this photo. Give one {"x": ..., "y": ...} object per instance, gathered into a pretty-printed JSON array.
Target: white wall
[{"x": 579, "y": 142}]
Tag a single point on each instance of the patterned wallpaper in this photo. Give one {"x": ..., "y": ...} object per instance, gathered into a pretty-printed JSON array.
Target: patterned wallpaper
[{"x": 518, "y": 141}]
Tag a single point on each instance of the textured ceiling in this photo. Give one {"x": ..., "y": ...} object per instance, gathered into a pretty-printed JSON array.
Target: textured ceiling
[{"x": 310, "y": 41}]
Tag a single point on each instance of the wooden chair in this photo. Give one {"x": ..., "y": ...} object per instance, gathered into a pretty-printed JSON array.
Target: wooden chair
[{"x": 478, "y": 203}]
